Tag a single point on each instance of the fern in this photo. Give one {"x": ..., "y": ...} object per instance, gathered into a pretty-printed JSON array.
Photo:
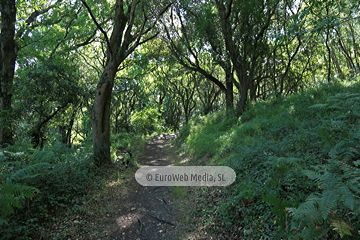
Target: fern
[
  {"x": 340, "y": 193},
  {"x": 278, "y": 189},
  {"x": 13, "y": 194},
  {"x": 346, "y": 150},
  {"x": 7, "y": 203},
  {"x": 308, "y": 209},
  {"x": 338, "y": 180},
  {"x": 342, "y": 227},
  {"x": 27, "y": 172}
]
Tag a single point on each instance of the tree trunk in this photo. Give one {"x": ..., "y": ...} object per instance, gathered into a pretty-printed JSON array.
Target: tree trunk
[
  {"x": 66, "y": 130},
  {"x": 229, "y": 94},
  {"x": 101, "y": 116},
  {"x": 233, "y": 51},
  {"x": 8, "y": 52},
  {"x": 356, "y": 47},
  {"x": 69, "y": 130},
  {"x": 128, "y": 33},
  {"x": 8, "y": 55},
  {"x": 329, "y": 56},
  {"x": 243, "y": 98}
]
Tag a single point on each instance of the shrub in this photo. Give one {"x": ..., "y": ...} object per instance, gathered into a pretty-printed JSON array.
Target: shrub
[
  {"x": 297, "y": 165},
  {"x": 146, "y": 121},
  {"x": 36, "y": 184}
]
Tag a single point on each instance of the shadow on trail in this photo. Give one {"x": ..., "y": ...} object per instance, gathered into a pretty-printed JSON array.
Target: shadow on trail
[
  {"x": 154, "y": 154},
  {"x": 148, "y": 212}
]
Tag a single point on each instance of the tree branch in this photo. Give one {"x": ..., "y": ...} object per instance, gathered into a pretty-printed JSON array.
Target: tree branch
[
  {"x": 98, "y": 25},
  {"x": 32, "y": 18}
]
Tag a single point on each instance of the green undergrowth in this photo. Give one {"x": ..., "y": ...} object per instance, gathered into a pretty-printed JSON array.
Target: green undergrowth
[
  {"x": 36, "y": 186},
  {"x": 297, "y": 161},
  {"x": 42, "y": 188}
]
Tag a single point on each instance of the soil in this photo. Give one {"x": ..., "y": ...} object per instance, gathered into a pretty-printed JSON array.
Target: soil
[
  {"x": 124, "y": 209},
  {"x": 148, "y": 212}
]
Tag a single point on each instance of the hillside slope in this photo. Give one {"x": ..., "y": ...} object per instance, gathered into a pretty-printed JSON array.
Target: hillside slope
[{"x": 297, "y": 161}]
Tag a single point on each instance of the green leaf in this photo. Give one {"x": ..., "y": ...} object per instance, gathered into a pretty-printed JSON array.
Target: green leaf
[
  {"x": 30, "y": 171},
  {"x": 319, "y": 105}
]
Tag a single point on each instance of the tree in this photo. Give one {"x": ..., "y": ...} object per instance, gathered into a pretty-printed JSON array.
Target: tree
[
  {"x": 12, "y": 32},
  {"x": 43, "y": 85},
  {"x": 244, "y": 25},
  {"x": 132, "y": 26},
  {"x": 190, "y": 33},
  {"x": 8, "y": 52},
  {"x": 184, "y": 96}
]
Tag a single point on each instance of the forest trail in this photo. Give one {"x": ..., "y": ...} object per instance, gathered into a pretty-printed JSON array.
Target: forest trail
[
  {"x": 150, "y": 212},
  {"x": 127, "y": 210}
]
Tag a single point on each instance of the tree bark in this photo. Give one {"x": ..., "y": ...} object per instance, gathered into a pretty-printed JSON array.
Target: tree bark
[
  {"x": 194, "y": 65},
  {"x": 250, "y": 46},
  {"x": 101, "y": 117},
  {"x": 8, "y": 53},
  {"x": 66, "y": 130},
  {"x": 239, "y": 66},
  {"x": 229, "y": 96}
]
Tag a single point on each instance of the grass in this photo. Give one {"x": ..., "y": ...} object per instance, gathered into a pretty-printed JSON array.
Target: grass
[{"x": 271, "y": 147}]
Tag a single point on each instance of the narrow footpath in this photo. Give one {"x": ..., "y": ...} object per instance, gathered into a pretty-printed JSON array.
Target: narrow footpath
[
  {"x": 125, "y": 210},
  {"x": 149, "y": 212}
]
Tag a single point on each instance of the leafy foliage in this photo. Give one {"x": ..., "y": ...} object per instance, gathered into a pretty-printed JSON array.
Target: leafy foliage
[
  {"x": 297, "y": 165},
  {"x": 45, "y": 181},
  {"x": 339, "y": 178},
  {"x": 12, "y": 192},
  {"x": 146, "y": 121},
  {"x": 12, "y": 195}
]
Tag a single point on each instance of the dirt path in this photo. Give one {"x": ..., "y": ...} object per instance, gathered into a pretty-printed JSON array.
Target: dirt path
[
  {"x": 148, "y": 212},
  {"x": 123, "y": 209}
]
